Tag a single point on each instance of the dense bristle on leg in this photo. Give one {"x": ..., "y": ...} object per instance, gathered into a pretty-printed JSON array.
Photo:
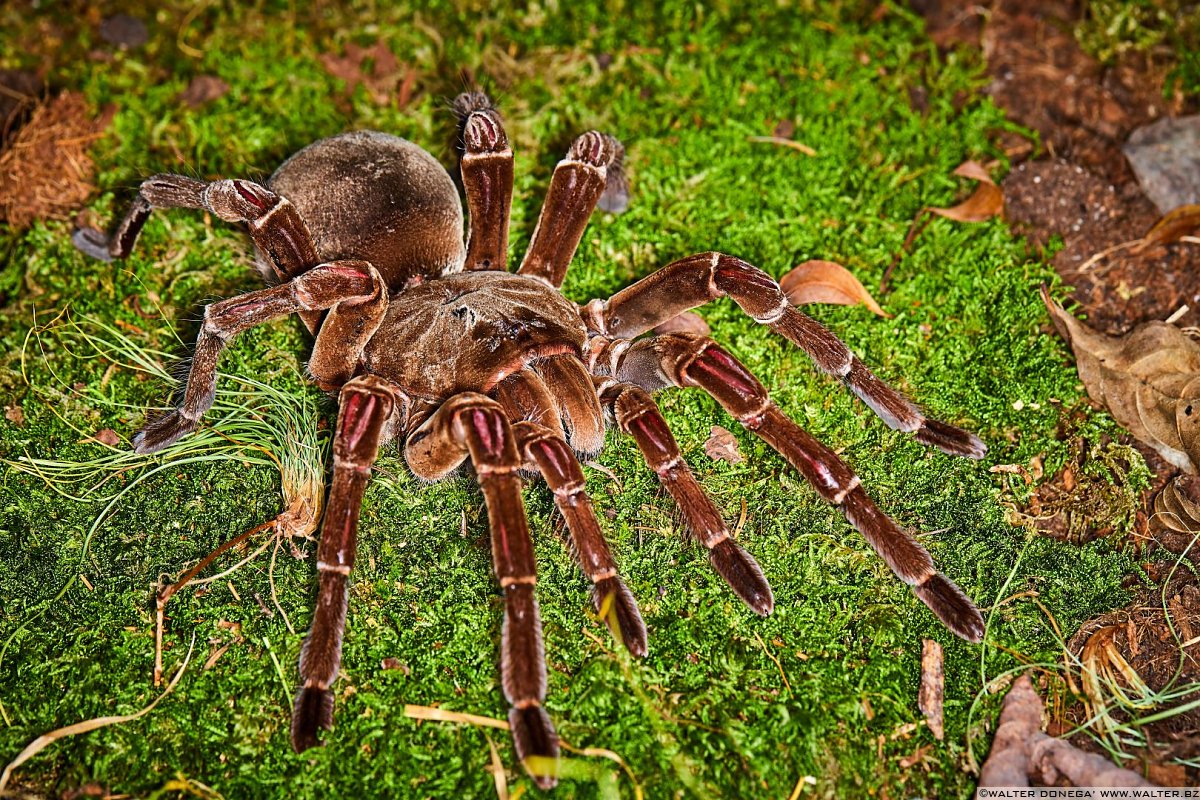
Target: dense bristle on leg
[
  {"x": 621, "y": 614},
  {"x": 313, "y": 712},
  {"x": 536, "y": 743},
  {"x": 952, "y": 606},
  {"x": 744, "y": 576},
  {"x": 951, "y": 440}
]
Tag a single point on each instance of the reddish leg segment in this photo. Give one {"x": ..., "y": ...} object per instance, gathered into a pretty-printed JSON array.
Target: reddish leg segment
[
  {"x": 474, "y": 425},
  {"x": 687, "y": 360},
  {"x": 487, "y": 175},
  {"x": 638, "y": 415},
  {"x": 367, "y": 404},
  {"x": 334, "y": 356},
  {"x": 695, "y": 280},
  {"x": 591, "y": 174},
  {"x": 560, "y": 468},
  {"x": 274, "y": 224}
]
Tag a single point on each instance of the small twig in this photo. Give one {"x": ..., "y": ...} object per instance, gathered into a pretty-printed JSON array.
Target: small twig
[
  {"x": 914, "y": 230},
  {"x": 166, "y": 594},
  {"x": 792, "y": 143}
]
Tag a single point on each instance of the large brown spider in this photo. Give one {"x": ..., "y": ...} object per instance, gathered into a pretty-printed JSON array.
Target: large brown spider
[{"x": 434, "y": 343}]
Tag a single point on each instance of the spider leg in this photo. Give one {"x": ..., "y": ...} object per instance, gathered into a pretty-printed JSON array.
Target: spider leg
[
  {"x": 367, "y": 405},
  {"x": 560, "y": 468},
  {"x": 274, "y": 224},
  {"x": 334, "y": 355},
  {"x": 487, "y": 175},
  {"x": 638, "y": 415},
  {"x": 592, "y": 173},
  {"x": 473, "y": 425},
  {"x": 695, "y": 280},
  {"x": 688, "y": 360}
]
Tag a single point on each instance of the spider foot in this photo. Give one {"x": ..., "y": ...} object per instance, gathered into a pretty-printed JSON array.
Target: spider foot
[
  {"x": 536, "y": 743},
  {"x": 623, "y": 619},
  {"x": 164, "y": 431},
  {"x": 951, "y": 606},
  {"x": 744, "y": 575},
  {"x": 92, "y": 242},
  {"x": 313, "y": 711},
  {"x": 950, "y": 439}
]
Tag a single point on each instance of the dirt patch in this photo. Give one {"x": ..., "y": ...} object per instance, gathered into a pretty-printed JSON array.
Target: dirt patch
[{"x": 47, "y": 173}]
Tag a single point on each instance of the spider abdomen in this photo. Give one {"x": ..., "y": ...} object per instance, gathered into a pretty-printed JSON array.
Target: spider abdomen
[
  {"x": 468, "y": 331},
  {"x": 376, "y": 197}
]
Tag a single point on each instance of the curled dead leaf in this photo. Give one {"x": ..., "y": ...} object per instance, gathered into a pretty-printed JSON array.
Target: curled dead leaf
[
  {"x": 1172, "y": 227},
  {"x": 985, "y": 202},
  {"x": 687, "y": 322},
  {"x": 1148, "y": 379},
  {"x": 721, "y": 445},
  {"x": 827, "y": 282},
  {"x": 1177, "y": 506}
]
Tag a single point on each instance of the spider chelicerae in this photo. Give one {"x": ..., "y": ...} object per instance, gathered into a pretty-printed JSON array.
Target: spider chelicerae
[{"x": 432, "y": 342}]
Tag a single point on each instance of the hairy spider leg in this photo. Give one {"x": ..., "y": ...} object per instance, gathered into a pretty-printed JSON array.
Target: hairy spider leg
[
  {"x": 473, "y": 425},
  {"x": 698, "y": 279},
  {"x": 689, "y": 360},
  {"x": 637, "y": 414},
  {"x": 274, "y": 224},
  {"x": 591, "y": 174},
  {"x": 335, "y": 353},
  {"x": 486, "y": 166},
  {"x": 367, "y": 404},
  {"x": 546, "y": 450}
]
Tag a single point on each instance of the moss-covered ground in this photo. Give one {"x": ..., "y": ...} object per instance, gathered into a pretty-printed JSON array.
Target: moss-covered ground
[{"x": 726, "y": 704}]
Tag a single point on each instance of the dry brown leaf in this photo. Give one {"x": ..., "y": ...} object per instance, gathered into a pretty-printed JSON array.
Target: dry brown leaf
[
  {"x": 687, "y": 322},
  {"x": 15, "y": 415},
  {"x": 1172, "y": 227},
  {"x": 375, "y": 67},
  {"x": 721, "y": 445},
  {"x": 1148, "y": 379},
  {"x": 107, "y": 436},
  {"x": 985, "y": 202},
  {"x": 827, "y": 282},
  {"x": 929, "y": 700},
  {"x": 1177, "y": 506},
  {"x": 203, "y": 89}
]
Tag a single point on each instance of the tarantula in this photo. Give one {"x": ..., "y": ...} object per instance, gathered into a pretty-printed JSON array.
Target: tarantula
[{"x": 431, "y": 341}]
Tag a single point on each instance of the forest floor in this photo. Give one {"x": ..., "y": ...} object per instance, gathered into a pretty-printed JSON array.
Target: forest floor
[{"x": 778, "y": 134}]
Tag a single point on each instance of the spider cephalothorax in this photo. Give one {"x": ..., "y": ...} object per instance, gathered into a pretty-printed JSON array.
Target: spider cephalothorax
[{"x": 431, "y": 342}]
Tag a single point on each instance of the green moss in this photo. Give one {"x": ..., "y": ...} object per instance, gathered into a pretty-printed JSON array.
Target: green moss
[{"x": 709, "y": 711}]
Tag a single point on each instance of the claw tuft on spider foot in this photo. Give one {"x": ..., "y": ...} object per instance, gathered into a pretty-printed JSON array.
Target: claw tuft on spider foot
[
  {"x": 162, "y": 432},
  {"x": 951, "y": 440},
  {"x": 313, "y": 711},
  {"x": 951, "y": 606},
  {"x": 92, "y": 242},
  {"x": 536, "y": 743},
  {"x": 624, "y": 618},
  {"x": 744, "y": 576}
]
